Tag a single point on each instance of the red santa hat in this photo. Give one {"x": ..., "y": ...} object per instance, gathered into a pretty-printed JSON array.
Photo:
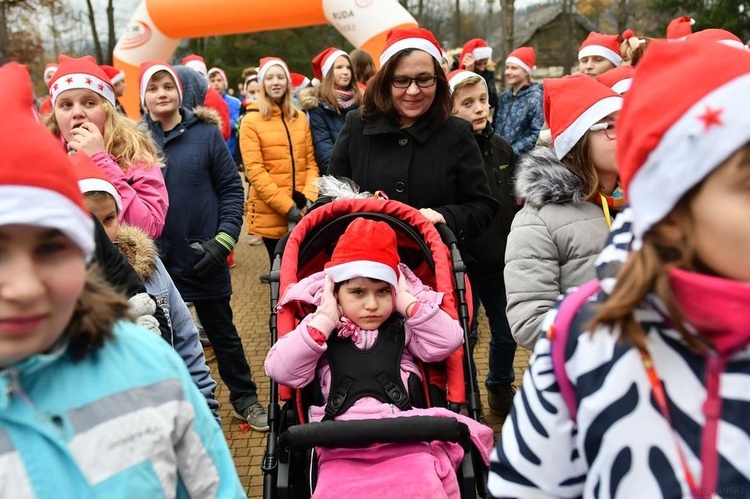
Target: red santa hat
[
  {"x": 49, "y": 70},
  {"x": 674, "y": 131},
  {"x": 148, "y": 69},
  {"x": 412, "y": 38},
  {"x": 221, "y": 73},
  {"x": 267, "y": 62},
  {"x": 599, "y": 44},
  {"x": 455, "y": 78},
  {"x": 524, "y": 58},
  {"x": 323, "y": 62},
  {"x": 195, "y": 62},
  {"x": 716, "y": 36},
  {"x": 618, "y": 79},
  {"x": 572, "y": 104},
  {"x": 83, "y": 73},
  {"x": 91, "y": 178},
  {"x": 299, "y": 81},
  {"x": 115, "y": 75},
  {"x": 478, "y": 49},
  {"x": 37, "y": 184},
  {"x": 679, "y": 28},
  {"x": 366, "y": 249}
]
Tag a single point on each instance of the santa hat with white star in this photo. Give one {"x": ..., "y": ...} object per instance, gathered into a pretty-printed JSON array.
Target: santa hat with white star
[
  {"x": 83, "y": 73},
  {"x": 673, "y": 131}
]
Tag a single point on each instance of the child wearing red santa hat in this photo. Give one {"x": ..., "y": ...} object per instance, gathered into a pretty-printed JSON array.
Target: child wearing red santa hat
[
  {"x": 641, "y": 380},
  {"x": 76, "y": 374},
  {"x": 475, "y": 56},
  {"x": 84, "y": 119},
  {"x": 599, "y": 53}
]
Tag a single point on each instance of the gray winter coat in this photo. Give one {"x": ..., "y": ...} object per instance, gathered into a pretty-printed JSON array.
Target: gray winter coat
[{"x": 553, "y": 243}]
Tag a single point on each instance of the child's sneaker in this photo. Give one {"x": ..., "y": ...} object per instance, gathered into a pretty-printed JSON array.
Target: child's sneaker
[{"x": 255, "y": 415}]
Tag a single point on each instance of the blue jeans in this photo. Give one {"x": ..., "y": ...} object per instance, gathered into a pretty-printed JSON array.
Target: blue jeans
[{"x": 491, "y": 294}]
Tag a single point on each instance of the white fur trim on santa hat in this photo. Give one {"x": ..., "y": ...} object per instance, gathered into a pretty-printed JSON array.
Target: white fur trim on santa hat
[
  {"x": 518, "y": 62},
  {"x": 569, "y": 137},
  {"x": 461, "y": 77},
  {"x": 268, "y": 65},
  {"x": 363, "y": 268},
  {"x": 657, "y": 187},
  {"x": 480, "y": 53},
  {"x": 221, "y": 73},
  {"x": 198, "y": 66},
  {"x": 328, "y": 63},
  {"x": 622, "y": 86},
  {"x": 601, "y": 51},
  {"x": 118, "y": 77},
  {"x": 84, "y": 81},
  {"x": 29, "y": 205},
  {"x": 150, "y": 72},
  {"x": 100, "y": 185},
  {"x": 411, "y": 43}
]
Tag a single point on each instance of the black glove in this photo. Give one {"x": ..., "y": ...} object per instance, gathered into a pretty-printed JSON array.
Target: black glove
[
  {"x": 299, "y": 199},
  {"x": 212, "y": 261}
]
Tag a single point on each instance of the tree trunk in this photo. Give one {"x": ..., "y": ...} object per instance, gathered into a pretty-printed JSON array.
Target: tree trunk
[
  {"x": 3, "y": 33},
  {"x": 458, "y": 25},
  {"x": 97, "y": 44},
  {"x": 111, "y": 27},
  {"x": 569, "y": 11},
  {"x": 420, "y": 10},
  {"x": 507, "y": 11},
  {"x": 622, "y": 16}
]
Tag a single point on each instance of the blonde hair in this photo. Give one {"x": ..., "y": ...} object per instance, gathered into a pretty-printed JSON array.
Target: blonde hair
[
  {"x": 469, "y": 81},
  {"x": 265, "y": 103},
  {"x": 633, "y": 48},
  {"x": 128, "y": 141}
]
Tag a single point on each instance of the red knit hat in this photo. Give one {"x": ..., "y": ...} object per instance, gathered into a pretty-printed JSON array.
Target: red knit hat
[
  {"x": 299, "y": 81},
  {"x": 323, "y": 62},
  {"x": 618, "y": 79},
  {"x": 524, "y": 58},
  {"x": 478, "y": 49},
  {"x": 674, "y": 131},
  {"x": 413, "y": 38},
  {"x": 679, "y": 28},
  {"x": 80, "y": 73},
  {"x": 716, "y": 35},
  {"x": 458, "y": 76},
  {"x": 115, "y": 75},
  {"x": 572, "y": 104},
  {"x": 267, "y": 62},
  {"x": 599, "y": 44},
  {"x": 366, "y": 249},
  {"x": 196, "y": 62},
  {"x": 91, "y": 178},
  {"x": 50, "y": 69},
  {"x": 37, "y": 184},
  {"x": 220, "y": 72},
  {"x": 149, "y": 69}
]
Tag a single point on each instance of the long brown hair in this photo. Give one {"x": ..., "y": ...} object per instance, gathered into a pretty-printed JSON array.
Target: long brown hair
[
  {"x": 378, "y": 99},
  {"x": 363, "y": 66},
  {"x": 578, "y": 161},
  {"x": 326, "y": 91}
]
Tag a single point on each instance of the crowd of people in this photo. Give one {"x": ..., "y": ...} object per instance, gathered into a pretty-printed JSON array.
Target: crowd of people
[{"x": 620, "y": 189}]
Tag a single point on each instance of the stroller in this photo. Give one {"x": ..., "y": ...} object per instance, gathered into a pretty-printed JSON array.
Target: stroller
[{"x": 431, "y": 252}]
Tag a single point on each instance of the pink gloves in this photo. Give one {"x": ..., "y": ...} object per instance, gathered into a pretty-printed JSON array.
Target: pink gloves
[
  {"x": 327, "y": 315},
  {"x": 404, "y": 298}
]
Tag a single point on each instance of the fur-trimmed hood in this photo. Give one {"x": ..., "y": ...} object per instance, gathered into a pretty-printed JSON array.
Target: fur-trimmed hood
[
  {"x": 541, "y": 179},
  {"x": 138, "y": 249},
  {"x": 308, "y": 99},
  {"x": 207, "y": 115}
]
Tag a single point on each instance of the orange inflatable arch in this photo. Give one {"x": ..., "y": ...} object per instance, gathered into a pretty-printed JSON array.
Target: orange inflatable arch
[{"x": 157, "y": 26}]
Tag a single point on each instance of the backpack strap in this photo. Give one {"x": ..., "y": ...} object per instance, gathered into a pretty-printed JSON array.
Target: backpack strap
[{"x": 558, "y": 336}]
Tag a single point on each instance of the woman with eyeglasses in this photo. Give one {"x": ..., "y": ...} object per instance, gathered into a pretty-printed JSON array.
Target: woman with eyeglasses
[
  {"x": 404, "y": 142},
  {"x": 571, "y": 195}
]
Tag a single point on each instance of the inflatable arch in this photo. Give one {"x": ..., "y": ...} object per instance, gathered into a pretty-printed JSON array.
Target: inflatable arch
[{"x": 157, "y": 26}]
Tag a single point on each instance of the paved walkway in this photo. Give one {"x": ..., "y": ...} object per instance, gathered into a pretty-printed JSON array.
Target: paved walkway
[{"x": 250, "y": 303}]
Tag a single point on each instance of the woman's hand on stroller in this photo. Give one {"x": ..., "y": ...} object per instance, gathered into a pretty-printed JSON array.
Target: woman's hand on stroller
[
  {"x": 404, "y": 298},
  {"x": 327, "y": 314},
  {"x": 432, "y": 215}
]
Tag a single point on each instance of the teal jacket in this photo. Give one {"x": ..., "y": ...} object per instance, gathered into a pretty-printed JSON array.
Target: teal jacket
[{"x": 126, "y": 421}]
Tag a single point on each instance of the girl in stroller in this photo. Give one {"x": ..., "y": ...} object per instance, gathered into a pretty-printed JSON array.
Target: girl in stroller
[{"x": 371, "y": 310}]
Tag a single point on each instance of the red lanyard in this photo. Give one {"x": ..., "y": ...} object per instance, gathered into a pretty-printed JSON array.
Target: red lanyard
[{"x": 661, "y": 400}]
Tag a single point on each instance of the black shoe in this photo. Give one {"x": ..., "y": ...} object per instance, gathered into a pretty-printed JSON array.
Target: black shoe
[
  {"x": 500, "y": 398},
  {"x": 265, "y": 278}
]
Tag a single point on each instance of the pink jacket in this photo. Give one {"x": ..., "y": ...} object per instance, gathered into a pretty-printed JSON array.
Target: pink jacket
[
  {"x": 431, "y": 335},
  {"x": 144, "y": 194}
]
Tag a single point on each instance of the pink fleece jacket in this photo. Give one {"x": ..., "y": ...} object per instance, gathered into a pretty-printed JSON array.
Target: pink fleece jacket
[
  {"x": 431, "y": 335},
  {"x": 144, "y": 194}
]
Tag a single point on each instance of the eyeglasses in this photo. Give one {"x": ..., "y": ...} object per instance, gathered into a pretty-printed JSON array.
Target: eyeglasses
[
  {"x": 610, "y": 129},
  {"x": 421, "y": 81}
]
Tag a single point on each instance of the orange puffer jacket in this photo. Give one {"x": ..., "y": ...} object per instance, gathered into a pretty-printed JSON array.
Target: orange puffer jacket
[{"x": 279, "y": 158}]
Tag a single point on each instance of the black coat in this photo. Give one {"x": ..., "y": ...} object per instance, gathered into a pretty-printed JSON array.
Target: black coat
[
  {"x": 439, "y": 169},
  {"x": 485, "y": 255}
]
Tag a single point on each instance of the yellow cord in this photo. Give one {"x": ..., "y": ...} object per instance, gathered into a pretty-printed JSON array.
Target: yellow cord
[{"x": 605, "y": 208}]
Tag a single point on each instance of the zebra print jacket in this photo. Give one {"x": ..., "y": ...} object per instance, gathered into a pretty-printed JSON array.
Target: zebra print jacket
[{"x": 621, "y": 445}]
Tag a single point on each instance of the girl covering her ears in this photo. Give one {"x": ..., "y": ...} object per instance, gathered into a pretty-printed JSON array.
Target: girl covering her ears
[
  {"x": 571, "y": 195},
  {"x": 640, "y": 385},
  {"x": 328, "y": 103},
  {"x": 85, "y": 119}
]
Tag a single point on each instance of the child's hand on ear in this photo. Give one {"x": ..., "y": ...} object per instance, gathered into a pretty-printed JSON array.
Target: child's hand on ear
[
  {"x": 327, "y": 315},
  {"x": 86, "y": 138},
  {"x": 404, "y": 299}
]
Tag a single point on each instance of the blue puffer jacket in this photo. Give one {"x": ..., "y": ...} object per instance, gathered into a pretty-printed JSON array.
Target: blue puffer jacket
[
  {"x": 206, "y": 197},
  {"x": 234, "y": 105},
  {"x": 325, "y": 125},
  {"x": 126, "y": 421},
  {"x": 520, "y": 117}
]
